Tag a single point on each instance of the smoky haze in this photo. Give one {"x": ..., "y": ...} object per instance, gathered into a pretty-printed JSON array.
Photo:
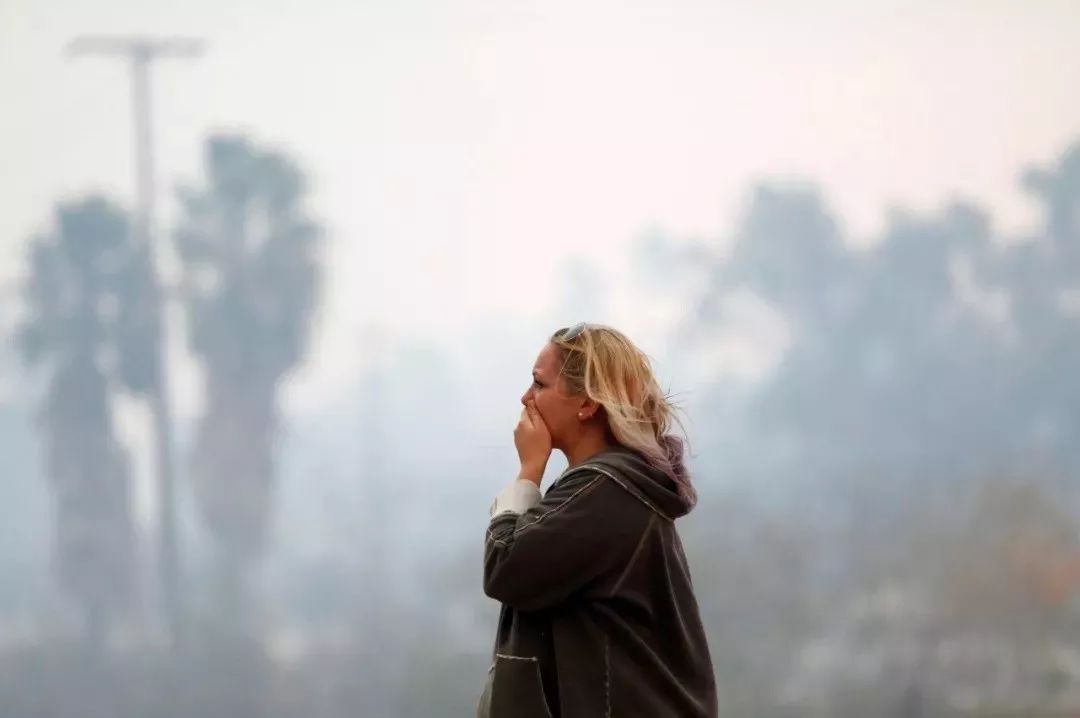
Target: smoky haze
[{"x": 849, "y": 238}]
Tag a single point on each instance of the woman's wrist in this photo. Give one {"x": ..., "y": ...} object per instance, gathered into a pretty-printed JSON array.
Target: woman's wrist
[{"x": 532, "y": 471}]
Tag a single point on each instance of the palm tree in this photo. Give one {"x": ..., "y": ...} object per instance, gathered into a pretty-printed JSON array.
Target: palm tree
[
  {"x": 84, "y": 277},
  {"x": 250, "y": 277}
]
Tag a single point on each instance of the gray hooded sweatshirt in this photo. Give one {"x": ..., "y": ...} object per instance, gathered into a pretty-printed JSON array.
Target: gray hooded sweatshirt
[{"x": 599, "y": 618}]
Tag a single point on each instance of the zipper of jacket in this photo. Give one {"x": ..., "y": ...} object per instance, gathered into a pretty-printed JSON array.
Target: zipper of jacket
[
  {"x": 573, "y": 470},
  {"x": 607, "y": 472}
]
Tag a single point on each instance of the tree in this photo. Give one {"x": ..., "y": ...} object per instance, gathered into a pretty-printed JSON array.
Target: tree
[
  {"x": 1042, "y": 278},
  {"x": 85, "y": 276},
  {"x": 250, "y": 277}
]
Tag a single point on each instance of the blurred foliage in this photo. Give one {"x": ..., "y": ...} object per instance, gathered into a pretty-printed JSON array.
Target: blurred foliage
[
  {"x": 81, "y": 274},
  {"x": 250, "y": 282}
]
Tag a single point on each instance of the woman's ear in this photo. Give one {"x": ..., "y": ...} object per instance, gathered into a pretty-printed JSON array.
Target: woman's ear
[{"x": 588, "y": 409}]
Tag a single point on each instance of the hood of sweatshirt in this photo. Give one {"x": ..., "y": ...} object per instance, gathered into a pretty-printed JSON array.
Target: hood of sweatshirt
[{"x": 635, "y": 474}]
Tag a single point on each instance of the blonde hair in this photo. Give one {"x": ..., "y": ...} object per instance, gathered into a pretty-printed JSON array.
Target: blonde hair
[{"x": 606, "y": 366}]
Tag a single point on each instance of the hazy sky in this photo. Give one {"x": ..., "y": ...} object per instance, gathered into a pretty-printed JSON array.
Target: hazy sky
[{"x": 460, "y": 151}]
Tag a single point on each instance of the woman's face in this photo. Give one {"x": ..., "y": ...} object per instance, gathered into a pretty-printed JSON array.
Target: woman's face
[{"x": 558, "y": 408}]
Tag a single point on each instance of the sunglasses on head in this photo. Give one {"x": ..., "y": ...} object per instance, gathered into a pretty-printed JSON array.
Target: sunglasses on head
[{"x": 573, "y": 332}]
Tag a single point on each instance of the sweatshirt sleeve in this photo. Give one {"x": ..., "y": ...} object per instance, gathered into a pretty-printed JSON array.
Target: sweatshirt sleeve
[
  {"x": 516, "y": 498},
  {"x": 582, "y": 528}
]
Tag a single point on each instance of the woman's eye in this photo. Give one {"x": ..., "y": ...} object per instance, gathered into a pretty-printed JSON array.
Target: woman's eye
[{"x": 536, "y": 384}]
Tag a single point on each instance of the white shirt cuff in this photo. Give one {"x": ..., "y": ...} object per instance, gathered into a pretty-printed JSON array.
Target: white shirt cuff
[{"x": 518, "y": 497}]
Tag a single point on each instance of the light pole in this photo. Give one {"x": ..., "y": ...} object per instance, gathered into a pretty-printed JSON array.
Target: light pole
[{"x": 141, "y": 52}]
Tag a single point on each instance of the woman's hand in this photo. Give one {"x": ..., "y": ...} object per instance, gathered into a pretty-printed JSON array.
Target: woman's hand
[{"x": 533, "y": 441}]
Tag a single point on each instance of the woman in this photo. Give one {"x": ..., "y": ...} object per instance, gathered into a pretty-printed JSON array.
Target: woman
[{"x": 598, "y": 612}]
